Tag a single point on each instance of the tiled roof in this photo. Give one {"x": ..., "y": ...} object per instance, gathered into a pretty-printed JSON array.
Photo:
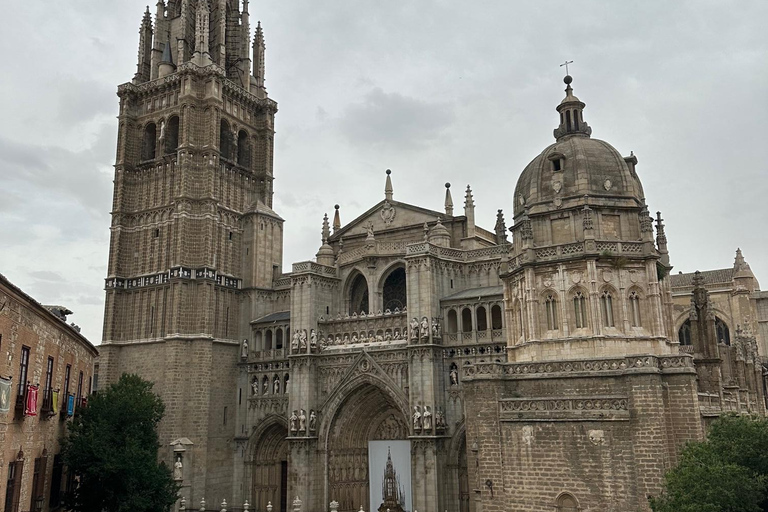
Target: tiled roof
[
  {"x": 720, "y": 276},
  {"x": 280, "y": 316},
  {"x": 472, "y": 293}
]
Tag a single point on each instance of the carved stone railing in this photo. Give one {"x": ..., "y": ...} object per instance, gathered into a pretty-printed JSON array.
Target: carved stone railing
[
  {"x": 595, "y": 408},
  {"x": 494, "y": 252},
  {"x": 282, "y": 282},
  {"x": 494, "y": 351},
  {"x": 686, "y": 349},
  {"x": 556, "y": 252},
  {"x": 630, "y": 364},
  {"x": 313, "y": 267},
  {"x": 476, "y": 336},
  {"x": 376, "y": 248},
  {"x": 359, "y": 330}
]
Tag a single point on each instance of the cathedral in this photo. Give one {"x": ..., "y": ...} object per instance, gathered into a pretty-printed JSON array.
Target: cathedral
[{"x": 553, "y": 364}]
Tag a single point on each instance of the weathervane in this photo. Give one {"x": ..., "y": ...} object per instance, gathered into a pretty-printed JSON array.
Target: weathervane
[{"x": 566, "y": 66}]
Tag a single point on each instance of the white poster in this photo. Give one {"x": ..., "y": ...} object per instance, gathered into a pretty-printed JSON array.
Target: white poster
[{"x": 389, "y": 467}]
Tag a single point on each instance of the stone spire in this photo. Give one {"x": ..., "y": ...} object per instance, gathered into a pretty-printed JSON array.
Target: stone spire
[
  {"x": 448, "y": 200},
  {"x": 469, "y": 212},
  {"x": 500, "y": 228},
  {"x": 388, "y": 187},
  {"x": 202, "y": 42},
  {"x": 325, "y": 255},
  {"x": 258, "y": 58},
  {"x": 336, "y": 219},
  {"x": 571, "y": 114},
  {"x": 144, "y": 66},
  {"x": 166, "y": 62},
  {"x": 661, "y": 239}
]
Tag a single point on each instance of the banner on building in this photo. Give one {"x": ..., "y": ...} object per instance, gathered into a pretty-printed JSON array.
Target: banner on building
[
  {"x": 54, "y": 402},
  {"x": 5, "y": 394},
  {"x": 30, "y": 408},
  {"x": 70, "y": 405},
  {"x": 389, "y": 470}
]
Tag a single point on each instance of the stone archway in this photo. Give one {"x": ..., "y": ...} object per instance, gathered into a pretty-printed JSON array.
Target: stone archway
[
  {"x": 269, "y": 469},
  {"x": 366, "y": 414}
]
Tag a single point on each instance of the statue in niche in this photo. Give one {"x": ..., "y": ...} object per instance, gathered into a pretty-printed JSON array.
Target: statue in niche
[
  {"x": 255, "y": 386},
  {"x": 416, "y": 418},
  {"x": 414, "y": 329},
  {"x": 276, "y": 386},
  {"x": 454, "y": 375},
  {"x": 302, "y": 420},
  {"x": 435, "y": 328},
  {"x": 424, "y": 328},
  {"x": 295, "y": 341},
  {"x": 346, "y": 339},
  {"x": 293, "y": 422},
  {"x": 387, "y": 336},
  {"x": 312, "y": 420},
  {"x": 312, "y": 340},
  {"x": 369, "y": 231},
  {"x": 439, "y": 421},
  {"x": 178, "y": 468},
  {"x": 162, "y": 131},
  {"x": 244, "y": 350},
  {"x": 303, "y": 340},
  {"x": 427, "y": 419},
  {"x": 396, "y": 335},
  {"x": 363, "y": 337},
  {"x": 266, "y": 386},
  {"x": 354, "y": 337}
]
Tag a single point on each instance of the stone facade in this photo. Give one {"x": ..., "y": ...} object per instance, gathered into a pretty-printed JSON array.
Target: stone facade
[
  {"x": 38, "y": 347},
  {"x": 534, "y": 372}
]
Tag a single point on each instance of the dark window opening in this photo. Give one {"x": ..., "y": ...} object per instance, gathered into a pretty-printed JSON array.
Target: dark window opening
[
  {"x": 482, "y": 319},
  {"x": 243, "y": 149},
  {"x": 496, "y": 323},
  {"x": 225, "y": 140},
  {"x": 148, "y": 142},
  {"x": 279, "y": 339},
  {"x": 466, "y": 320},
  {"x": 358, "y": 295},
  {"x": 568, "y": 120},
  {"x": 453, "y": 322},
  {"x": 723, "y": 334},
  {"x": 556, "y": 164},
  {"x": 172, "y": 135},
  {"x": 395, "y": 291}
]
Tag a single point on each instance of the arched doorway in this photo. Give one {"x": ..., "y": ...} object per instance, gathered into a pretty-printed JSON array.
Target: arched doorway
[
  {"x": 269, "y": 471},
  {"x": 366, "y": 414}
]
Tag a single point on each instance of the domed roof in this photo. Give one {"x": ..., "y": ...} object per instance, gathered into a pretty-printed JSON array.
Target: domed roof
[{"x": 577, "y": 166}]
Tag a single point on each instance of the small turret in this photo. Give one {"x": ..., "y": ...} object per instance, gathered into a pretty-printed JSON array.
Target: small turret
[
  {"x": 439, "y": 235},
  {"x": 166, "y": 63},
  {"x": 571, "y": 114},
  {"x": 144, "y": 66},
  {"x": 743, "y": 278},
  {"x": 259, "y": 48},
  {"x": 325, "y": 255}
]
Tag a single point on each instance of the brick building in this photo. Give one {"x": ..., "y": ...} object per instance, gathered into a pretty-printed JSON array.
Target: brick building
[
  {"x": 44, "y": 356},
  {"x": 542, "y": 372}
]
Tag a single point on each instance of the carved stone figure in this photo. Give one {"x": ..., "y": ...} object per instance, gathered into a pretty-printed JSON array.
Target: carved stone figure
[
  {"x": 435, "y": 328},
  {"x": 346, "y": 339},
  {"x": 454, "y": 376},
  {"x": 255, "y": 386},
  {"x": 440, "y": 421},
  {"x": 303, "y": 340},
  {"x": 266, "y": 386},
  {"x": 312, "y": 340},
  {"x": 396, "y": 335},
  {"x": 414, "y": 329},
  {"x": 294, "y": 421},
  {"x": 312, "y": 420},
  {"x": 302, "y": 421},
  {"x": 416, "y": 418},
  {"x": 276, "y": 386},
  {"x": 354, "y": 337},
  {"x": 427, "y": 418},
  {"x": 387, "y": 336},
  {"x": 295, "y": 341},
  {"x": 424, "y": 328},
  {"x": 178, "y": 468},
  {"x": 244, "y": 350}
]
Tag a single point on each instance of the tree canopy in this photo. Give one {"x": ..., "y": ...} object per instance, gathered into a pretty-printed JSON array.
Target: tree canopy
[
  {"x": 112, "y": 447},
  {"x": 726, "y": 473}
]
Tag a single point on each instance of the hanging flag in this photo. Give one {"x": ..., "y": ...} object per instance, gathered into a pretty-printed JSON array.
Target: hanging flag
[
  {"x": 30, "y": 408},
  {"x": 70, "y": 404},
  {"x": 54, "y": 402},
  {"x": 5, "y": 394}
]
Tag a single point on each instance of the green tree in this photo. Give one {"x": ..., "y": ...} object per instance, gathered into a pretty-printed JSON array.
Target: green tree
[
  {"x": 726, "y": 473},
  {"x": 112, "y": 448}
]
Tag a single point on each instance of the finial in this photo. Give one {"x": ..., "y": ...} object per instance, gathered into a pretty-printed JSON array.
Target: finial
[
  {"x": 469, "y": 201},
  {"x": 500, "y": 228},
  {"x": 326, "y": 229},
  {"x": 388, "y": 187},
  {"x": 336, "y": 219},
  {"x": 448, "y": 200}
]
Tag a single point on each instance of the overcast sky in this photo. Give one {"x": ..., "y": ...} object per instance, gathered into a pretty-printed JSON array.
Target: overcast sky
[{"x": 437, "y": 91}]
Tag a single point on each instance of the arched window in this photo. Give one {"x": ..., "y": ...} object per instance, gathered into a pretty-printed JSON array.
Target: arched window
[
  {"x": 257, "y": 341},
  {"x": 580, "y": 310},
  {"x": 550, "y": 303},
  {"x": 358, "y": 295},
  {"x": 225, "y": 140},
  {"x": 634, "y": 309},
  {"x": 243, "y": 149},
  {"x": 148, "y": 142},
  {"x": 172, "y": 135},
  {"x": 723, "y": 334},
  {"x": 453, "y": 322},
  {"x": 395, "y": 293},
  {"x": 684, "y": 333},
  {"x": 268, "y": 340},
  {"x": 279, "y": 338},
  {"x": 482, "y": 319},
  {"x": 566, "y": 503},
  {"x": 466, "y": 320},
  {"x": 496, "y": 323},
  {"x": 606, "y": 302}
]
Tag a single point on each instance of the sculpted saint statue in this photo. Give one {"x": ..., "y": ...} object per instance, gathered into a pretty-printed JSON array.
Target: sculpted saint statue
[
  {"x": 424, "y": 328},
  {"x": 276, "y": 386},
  {"x": 454, "y": 377},
  {"x": 303, "y": 340},
  {"x": 266, "y": 386},
  {"x": 293, "y": 421},
  {"x": 312, "y": 340},
  {"x": 255, "y": 386},
  {"x": 178, "y": 468},
  {"x": 414, "y": 329},
  {"x": 416, "y": 418},
  {"x": 312, "y": 420},
  {"x": 244, "y": 349},
  {"x": 302, "y": 421},
  {"x": 295, "y": 341},
  {"x": 427, "y": 418}
]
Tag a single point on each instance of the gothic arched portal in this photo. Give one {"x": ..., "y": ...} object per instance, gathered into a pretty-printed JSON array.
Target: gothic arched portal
[
  {"x": 366, "y": 414},
  {"x": 394, "y": 290},
  {"x": 269, "y": 469}
]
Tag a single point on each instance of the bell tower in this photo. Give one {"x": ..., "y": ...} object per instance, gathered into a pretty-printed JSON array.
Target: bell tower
[{"x": 192, "y": 196}]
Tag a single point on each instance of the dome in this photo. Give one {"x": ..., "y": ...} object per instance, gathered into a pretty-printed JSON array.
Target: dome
[
  {"x": 576, "y": 166},
  {"x": 573, "y": 167}
]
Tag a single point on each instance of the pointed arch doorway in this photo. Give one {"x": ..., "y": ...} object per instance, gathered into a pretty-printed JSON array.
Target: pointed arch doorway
[
  {"x": 366, "y": 414},
  {"x": 269, "y": 469}
]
